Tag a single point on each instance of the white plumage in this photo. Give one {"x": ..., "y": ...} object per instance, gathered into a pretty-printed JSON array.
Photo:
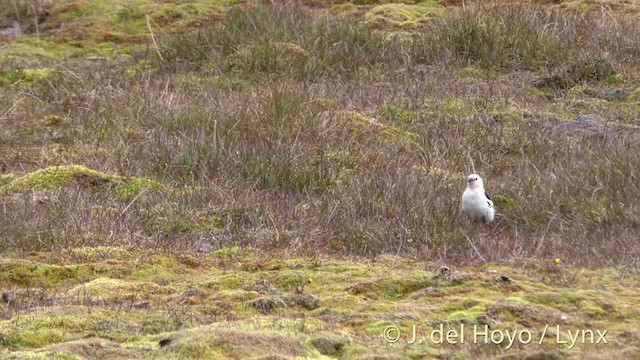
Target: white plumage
[{"x": 476, "y": 203}]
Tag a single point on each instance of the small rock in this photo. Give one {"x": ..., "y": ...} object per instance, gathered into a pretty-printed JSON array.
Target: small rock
[
  {"x": 610, "y": 95},
  {"x": 204, "y": 248},
  {"x": 584, "y": 124},
  {"x": 428, "y": 292},
  {"x": 165, "y": 342},
  {"x": 329, "y": 345},
  {"x": 588, "y": 122},
  {"x": 14, "y": 30},
  {"x": 141, "y": 305},
  {"x": 262, "y": 287},
  {"x": 267, "y": 305},
  {"x": 9, "y": 297},
  {"x": 307, "y": 301}
]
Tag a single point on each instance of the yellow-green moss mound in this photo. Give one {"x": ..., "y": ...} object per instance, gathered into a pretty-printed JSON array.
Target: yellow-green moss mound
[
  {"x": 55, "y": 177},
  {"x": 403, "y": 15},
  {"x": 24, "y": 77}
]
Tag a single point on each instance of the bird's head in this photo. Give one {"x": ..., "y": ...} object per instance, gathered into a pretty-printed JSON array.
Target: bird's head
[{"x": 474, "y": 181}]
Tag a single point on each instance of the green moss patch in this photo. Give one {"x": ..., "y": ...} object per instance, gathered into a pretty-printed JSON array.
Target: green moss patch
[
  {"x": 403, "y": 16},
  {"x": 55, "y": 177},
  {"x": 30, "y": 51},
  {"x": 24, "y": 77}
]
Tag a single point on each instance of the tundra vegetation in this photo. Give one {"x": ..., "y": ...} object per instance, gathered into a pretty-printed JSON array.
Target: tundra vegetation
[{"x": 249, "y": 179}]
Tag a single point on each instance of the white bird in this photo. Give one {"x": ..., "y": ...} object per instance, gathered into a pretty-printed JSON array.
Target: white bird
[{"x": 476, "y": 203}]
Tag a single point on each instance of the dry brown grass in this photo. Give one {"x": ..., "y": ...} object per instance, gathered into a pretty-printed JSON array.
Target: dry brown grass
[{"x": 266, "y": 145}]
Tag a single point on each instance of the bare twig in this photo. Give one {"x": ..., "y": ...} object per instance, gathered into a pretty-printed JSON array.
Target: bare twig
[
  {"x": 153, "y": 38},
  {"x": 475, "y": 248}
]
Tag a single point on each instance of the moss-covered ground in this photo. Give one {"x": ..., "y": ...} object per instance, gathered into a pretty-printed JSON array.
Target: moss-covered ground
[{"x": 107, "y": 302}]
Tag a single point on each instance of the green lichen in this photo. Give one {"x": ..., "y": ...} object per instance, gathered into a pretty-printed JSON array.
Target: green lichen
[
  {"x": 26, "y": 273},
  {"x": 33, "y": 48},
  {"x": 109, "y": 290},
  {"x": 24, "y": 77},
  {"x": 38, "y": 52},
  {"x": 135, "y": 185},
  {"x": 55, "y": 177}
]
